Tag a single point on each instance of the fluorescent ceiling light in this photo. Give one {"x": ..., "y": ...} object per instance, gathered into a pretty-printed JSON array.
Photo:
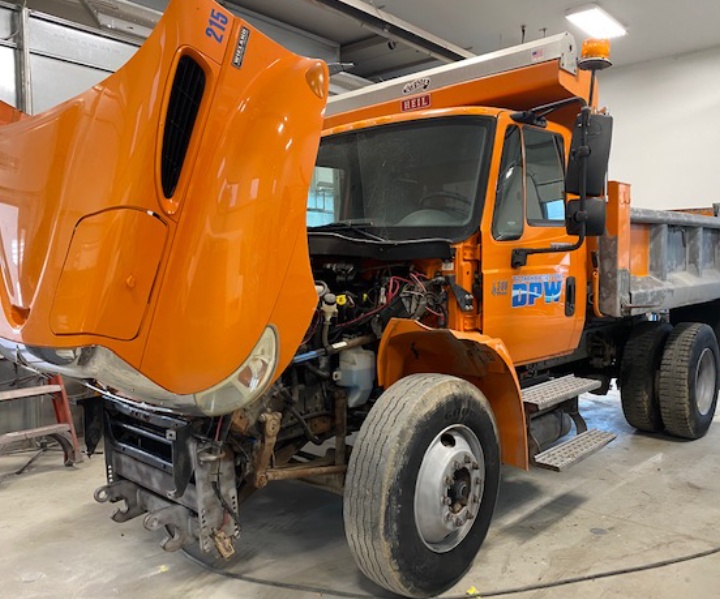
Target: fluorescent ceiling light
[
  {"x": 123, "y": 16},
  {"x": 594, "y": 21},
  {"x": 117, "y": 24}
]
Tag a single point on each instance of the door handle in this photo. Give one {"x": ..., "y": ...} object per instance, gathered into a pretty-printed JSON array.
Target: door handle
[{"x": 570, "y": 296}]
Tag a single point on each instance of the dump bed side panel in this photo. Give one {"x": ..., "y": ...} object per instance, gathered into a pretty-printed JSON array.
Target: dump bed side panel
[{"x": 655, "y": 260}]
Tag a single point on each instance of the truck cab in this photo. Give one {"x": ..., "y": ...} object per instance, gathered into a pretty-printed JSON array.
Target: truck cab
[{"x": 480, "y": 182}]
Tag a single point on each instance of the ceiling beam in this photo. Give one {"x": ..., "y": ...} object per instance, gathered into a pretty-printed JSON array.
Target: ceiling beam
[
  {"x": 399, "y": 70},
  {"x": 393, "y": 28},
  {"x": 364, "y": 44}
]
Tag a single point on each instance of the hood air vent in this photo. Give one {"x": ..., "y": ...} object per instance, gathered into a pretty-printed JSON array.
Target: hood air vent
[{"x": 185, "y": 98}]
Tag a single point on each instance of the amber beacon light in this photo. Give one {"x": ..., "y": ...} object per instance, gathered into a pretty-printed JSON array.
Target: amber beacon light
[{"x": 595, "y": 55}]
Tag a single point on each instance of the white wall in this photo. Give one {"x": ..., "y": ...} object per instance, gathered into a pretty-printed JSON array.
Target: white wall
[{"x": 667, "y": 129}]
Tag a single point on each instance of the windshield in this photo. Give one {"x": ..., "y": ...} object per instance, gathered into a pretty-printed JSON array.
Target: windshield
[{"x": 423, "y": 178}]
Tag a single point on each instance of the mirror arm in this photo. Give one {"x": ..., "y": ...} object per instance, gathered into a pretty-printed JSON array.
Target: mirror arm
[
  {"x": 536, "y": 116},
  {"x": 520, "y": 255}
]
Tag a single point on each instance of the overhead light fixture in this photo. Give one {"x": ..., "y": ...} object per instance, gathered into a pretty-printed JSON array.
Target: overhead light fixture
[
  {"x": 594, "y": 21},
  {"x": 114, "y": 23},
  {"x": 123, "y": 16}
]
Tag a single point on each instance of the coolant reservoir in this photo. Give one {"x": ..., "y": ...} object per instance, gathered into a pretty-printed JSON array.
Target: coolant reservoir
[{"x": 357, "y": 373}]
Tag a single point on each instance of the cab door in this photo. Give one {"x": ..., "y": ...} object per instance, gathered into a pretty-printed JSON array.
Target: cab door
[{"x": 538, "y": 309}]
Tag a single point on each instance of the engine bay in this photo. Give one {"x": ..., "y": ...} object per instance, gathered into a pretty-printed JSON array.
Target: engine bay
[{"x": 356, "y": 300}]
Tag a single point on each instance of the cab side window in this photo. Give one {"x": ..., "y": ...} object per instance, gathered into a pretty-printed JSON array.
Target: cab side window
[
  {"x": 509, "y": 217},
  {"x": 545, "y": 177}
]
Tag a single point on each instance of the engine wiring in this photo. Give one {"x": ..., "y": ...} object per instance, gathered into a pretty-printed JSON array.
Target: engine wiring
[
  {"x": 414, "y": 294},
  {"x": 478, "y": 595}
]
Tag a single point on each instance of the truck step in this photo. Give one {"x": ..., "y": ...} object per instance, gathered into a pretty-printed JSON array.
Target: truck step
[
  {"x": 571, "y": 452},
  {"x": 544, "y": 396}
]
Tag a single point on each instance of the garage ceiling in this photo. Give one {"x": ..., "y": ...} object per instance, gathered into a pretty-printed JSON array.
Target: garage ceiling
[{"x": 657, "y": 28}]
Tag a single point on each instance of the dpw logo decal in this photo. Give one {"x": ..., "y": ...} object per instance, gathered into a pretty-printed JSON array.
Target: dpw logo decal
[{"x": 527, "y": 290}]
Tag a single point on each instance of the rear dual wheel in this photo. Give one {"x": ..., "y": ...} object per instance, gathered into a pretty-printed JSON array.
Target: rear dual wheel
[
  {"x": 639, "y": 374},
  {"x": 422, "y": 484},
  {"x": 670, "y": 378},
  {"x": 688, "y": 387}
]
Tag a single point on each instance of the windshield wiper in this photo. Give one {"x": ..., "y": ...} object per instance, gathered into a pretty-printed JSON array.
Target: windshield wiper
[{"x": 347, "y": 225}]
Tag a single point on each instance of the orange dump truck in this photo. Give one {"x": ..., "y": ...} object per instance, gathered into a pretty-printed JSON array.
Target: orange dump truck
[{"x": 466, "y": 273}]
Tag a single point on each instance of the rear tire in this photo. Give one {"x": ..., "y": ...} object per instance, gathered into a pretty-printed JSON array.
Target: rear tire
[
  {"x": 639, "y": 375},
  {"x": 429, "y": 441},
  {"x": 689, "y": 380}
]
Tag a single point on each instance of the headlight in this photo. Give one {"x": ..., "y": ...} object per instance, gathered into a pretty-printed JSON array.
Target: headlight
[
  {"x": 243, "y": 387},
  {"x": 247, "y": 383}
]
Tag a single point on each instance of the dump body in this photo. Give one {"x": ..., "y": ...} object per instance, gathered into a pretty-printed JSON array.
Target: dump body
[{"x": 656, "y": 260}]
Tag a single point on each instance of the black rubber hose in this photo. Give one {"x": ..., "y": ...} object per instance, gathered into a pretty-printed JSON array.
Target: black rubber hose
[
  {"x": 312, "y": 437},
  {"x": 321, "y": 374},
  {"x": 290, "y": 403}
]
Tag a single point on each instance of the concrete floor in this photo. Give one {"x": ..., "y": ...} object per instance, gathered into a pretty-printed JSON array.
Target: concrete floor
[{"x": 641, "y": 499}]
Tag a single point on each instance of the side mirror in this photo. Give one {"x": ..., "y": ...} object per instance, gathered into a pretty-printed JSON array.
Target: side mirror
[
  {"x": 599, "y": 137},
  {"x": 594, "y": 222}
]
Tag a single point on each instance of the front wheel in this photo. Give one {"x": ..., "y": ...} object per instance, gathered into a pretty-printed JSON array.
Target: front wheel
[{"x": 422, "y": 484}]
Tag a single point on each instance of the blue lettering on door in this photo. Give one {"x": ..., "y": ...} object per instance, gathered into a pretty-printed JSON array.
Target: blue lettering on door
[
  {"x": 519, "y": 295},
  {"x": 528, "y": 290},
  {"x": 553, "y": 289}
]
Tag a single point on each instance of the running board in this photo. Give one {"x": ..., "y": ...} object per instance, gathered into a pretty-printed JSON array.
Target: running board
[
  {"x": 542, "y": 397},
  {"x": 571, "y": 452}
]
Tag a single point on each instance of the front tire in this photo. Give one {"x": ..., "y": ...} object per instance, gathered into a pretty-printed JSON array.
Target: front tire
[{"x": 422, "y": 484}]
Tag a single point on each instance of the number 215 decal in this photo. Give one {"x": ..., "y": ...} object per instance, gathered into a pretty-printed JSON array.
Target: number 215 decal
[{"x": 216, "y": 25}]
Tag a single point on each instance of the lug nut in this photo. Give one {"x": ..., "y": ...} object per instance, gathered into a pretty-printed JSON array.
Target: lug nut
[
  {"x": 476, "y": 466},
  {"x": 448, "y": 517},
  {"x": 446, "y": 501},
  {"x": 456, "y": 465},
  {"x": 468, "y": 459},
  {"x": 470, "y": 515},
  {"x": 458, "y": 521},
  {"x": 475, "y": 499},
  {"x": 448, "y": 480}
]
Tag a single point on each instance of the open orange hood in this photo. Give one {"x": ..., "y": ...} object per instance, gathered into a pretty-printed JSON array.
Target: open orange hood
[{"x": 160, "y": 215}]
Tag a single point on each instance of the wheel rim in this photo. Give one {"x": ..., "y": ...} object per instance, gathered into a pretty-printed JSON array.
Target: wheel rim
[
  {"x": 705, "y": 377},
  {"x": 449, "y": 488}
]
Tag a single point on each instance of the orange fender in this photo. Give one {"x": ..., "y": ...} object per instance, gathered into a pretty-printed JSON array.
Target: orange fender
[{"x": 408, "y": 347}]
